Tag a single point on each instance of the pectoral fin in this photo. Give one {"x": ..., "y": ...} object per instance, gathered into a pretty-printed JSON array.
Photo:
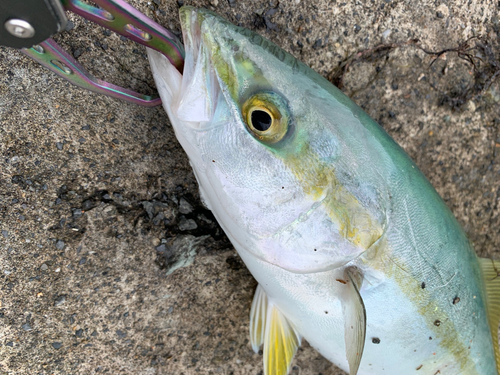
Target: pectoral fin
[
  {"x": 270, "y": 327},
  {"x": 354, "y": 313},
  {"x": 491, "y": 276}
]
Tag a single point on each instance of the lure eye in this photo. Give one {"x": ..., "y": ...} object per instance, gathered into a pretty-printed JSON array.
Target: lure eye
[{"x": 266, "y": 115}]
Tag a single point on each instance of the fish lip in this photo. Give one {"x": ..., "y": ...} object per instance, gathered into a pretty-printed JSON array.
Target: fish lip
[
  {"x": 202, "y": 26},
  {"x": 191, "y": 19},
  {"x": 197, "y": 98},
  {"x": 191, "y": 29}
]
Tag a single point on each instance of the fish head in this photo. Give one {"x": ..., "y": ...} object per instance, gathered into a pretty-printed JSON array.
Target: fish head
[{"x": 273, "y": 148}]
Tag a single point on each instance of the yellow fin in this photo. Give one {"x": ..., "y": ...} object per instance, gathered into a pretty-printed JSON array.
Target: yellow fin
[
  {"x": 258, "y": 316},
  {"x": 491, "y": 275},
  {"x": 281, "y": 342}
]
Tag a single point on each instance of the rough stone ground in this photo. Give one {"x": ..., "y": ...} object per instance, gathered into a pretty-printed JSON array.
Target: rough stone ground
[{"x": 98, "y": 203}]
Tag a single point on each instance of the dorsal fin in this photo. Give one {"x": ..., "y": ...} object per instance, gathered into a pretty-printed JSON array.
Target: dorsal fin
[
  {"x": 491, "y": 275},
  {"x": 270, "y": 327}
]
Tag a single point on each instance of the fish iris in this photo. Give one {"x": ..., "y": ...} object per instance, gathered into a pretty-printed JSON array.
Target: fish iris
[{"x": 267, "y": 116}]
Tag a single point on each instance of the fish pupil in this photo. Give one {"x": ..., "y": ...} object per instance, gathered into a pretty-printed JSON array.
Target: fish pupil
[{"x": 261, "y": 120}]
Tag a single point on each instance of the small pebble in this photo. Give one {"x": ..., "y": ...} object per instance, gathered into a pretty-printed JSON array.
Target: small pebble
[
  {"x": 57, "y": 345},
  {"x": 161, "y": 248},
  {"x": 187, "y": 224},
  {"x": 60, "y": 245},
  {"x": 109, "y": 211},
  {"x": 70, "y": 26},
  {"x": 59, "y": 300},
  {"x": 184, "y": 207},
  {"x": 44, "y": 267},
  {"x": 158, "y": 218},
  {"x": 87, "y": 205},
  {"x": 121, "y": 334}
]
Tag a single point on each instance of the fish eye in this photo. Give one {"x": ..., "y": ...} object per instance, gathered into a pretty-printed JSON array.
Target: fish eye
[
  {"x": 261, "y": 119},
  {"x": 266, "y": 115}
]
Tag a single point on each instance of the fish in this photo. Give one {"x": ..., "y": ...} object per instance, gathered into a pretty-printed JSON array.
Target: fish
[{"x": 352, "y": 248}]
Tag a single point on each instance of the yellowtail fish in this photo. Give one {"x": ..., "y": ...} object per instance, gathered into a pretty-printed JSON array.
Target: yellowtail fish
[{"x": 351, "y": 246}]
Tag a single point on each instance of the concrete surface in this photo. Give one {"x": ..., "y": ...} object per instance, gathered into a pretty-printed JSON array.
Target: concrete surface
[{"x": 102, "y": 270}]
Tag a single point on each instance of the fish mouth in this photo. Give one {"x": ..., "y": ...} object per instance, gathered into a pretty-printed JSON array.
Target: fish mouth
[
  {"x": 199, "y": 92},
  {"x": 219, "y": 41},
  {"x": 191, "y": 27},
  {"x": 198, "y": 23}
]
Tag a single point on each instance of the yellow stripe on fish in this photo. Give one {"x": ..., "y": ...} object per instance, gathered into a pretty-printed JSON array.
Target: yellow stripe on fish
[{"x": 318, "y": 180}]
